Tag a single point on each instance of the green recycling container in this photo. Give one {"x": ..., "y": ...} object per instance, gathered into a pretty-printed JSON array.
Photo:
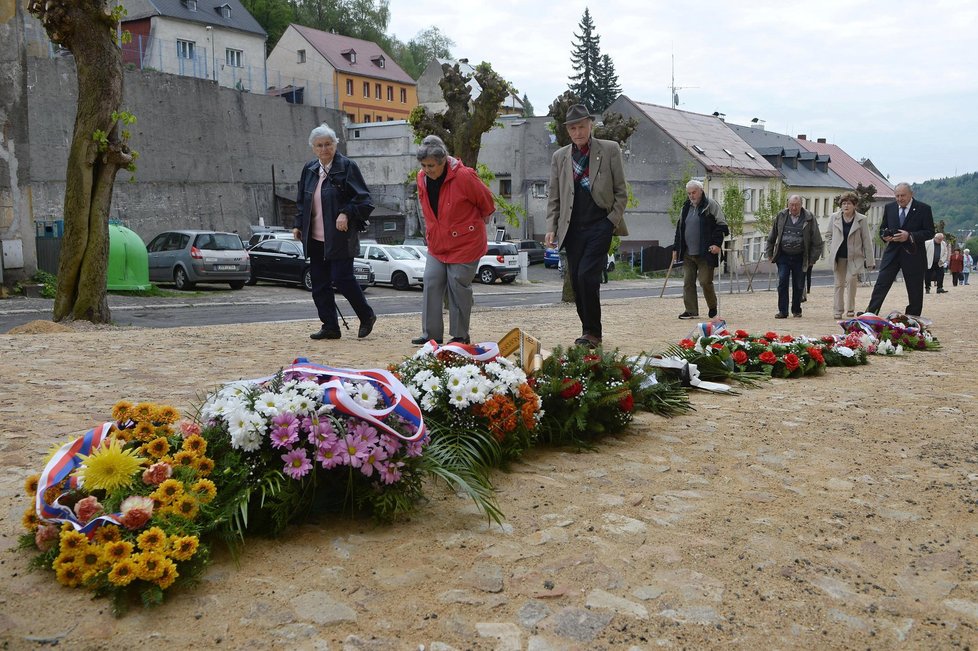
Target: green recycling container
[{"x": 128, "y": 261}]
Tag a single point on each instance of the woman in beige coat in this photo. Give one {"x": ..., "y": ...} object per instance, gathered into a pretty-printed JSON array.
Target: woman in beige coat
[{"x": 851, "y": 249}]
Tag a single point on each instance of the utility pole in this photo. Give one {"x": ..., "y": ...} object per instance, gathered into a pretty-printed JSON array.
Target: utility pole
[{"x": 673, "y": 95}]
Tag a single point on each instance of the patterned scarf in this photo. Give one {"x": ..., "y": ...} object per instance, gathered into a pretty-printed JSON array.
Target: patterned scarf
[{"x": 581, "y": 158}]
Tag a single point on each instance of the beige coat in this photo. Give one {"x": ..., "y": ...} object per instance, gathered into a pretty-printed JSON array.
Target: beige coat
[
  {"x": 607, "y": 175},
  {"x": 859, "y": 244}
]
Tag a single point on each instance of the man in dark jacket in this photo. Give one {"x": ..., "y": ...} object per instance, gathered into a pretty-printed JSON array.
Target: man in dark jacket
[
  {"x": 699, "y": 240},
  {"x": 795, "y": 243}
]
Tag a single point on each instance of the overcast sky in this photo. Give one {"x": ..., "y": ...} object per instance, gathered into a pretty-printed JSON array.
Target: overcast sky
[{"x": 896, "y": 82}]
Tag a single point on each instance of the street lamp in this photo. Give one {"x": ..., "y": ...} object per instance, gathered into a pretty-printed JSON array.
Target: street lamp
[{"x": 210, "y": 30}]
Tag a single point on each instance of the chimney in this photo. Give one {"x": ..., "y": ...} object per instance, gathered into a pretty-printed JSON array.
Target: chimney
[
  {"x": 821, "y": 140},
  {"x": 801, "y": 136}
]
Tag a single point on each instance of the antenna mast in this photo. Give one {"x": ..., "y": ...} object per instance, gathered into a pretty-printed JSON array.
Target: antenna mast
[{"x": 674, "y": 96}]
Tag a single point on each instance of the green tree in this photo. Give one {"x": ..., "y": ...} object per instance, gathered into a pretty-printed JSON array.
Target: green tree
[
  {"x": 465, "y": 120},
  {"x": 679, "y": 193},
  {"x": 607, "y": 82},
  {"x": 613, "y": 126},
  {"x": 527, "y": 107},
  {"x": 98, "y": 149},
  {"x": 866, "y": 195},
  {"x": 273, "y": 15},
  {"x": 363, "y": 19},
  {"x": 733, "y": 205},
  {"x": 585, "y": 59}
]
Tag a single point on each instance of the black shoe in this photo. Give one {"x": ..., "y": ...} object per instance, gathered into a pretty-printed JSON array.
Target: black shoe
[
  {"x": 588, "y": 341},
  {"x": 942, "y": 291},
  {"x": 325, "y": 333},
  {"x": 459, "y": 340},
  {"x": 928, "y": 290},
  {"x": 367, "y": 326},
  {"x": 713, "y": 312},
  {"x": 797, "y": 315},
  {"x": 804, "y": 300},
  {"x": 688, "y": 315},
  {"x": 780, "y": 315},
  {"x": 422, "y": 340}
]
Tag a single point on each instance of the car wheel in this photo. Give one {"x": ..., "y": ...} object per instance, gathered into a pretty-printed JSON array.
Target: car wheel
[
  {"x": 180, "y": 279},
  {"x": 253, "y": 280},
  {"x": 507, "y": 281},
  {"x": 237, "y": 284},
  {"x": 487, "y": 275},
  {"x": 399, "y": 280},
  {"x": 307, "y": 279}
]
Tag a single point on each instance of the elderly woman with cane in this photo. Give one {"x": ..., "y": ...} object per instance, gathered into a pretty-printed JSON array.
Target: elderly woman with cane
[{"x": 332, "y": 204}]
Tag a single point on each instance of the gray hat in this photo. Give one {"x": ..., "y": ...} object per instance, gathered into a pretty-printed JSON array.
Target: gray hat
[{"x": 576, "y": 113}]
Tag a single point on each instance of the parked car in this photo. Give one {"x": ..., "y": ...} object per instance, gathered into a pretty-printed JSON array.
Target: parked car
[
  {"x": 551, "y": 258},
  {"x": 188, "y": 257},
  {"x": 415, "y": 241},
  {"x": 283, "y": 260},
  {"x": 273, "y": 232},
  {"x": 500, "y": 261},
  {"x": 393, "y": 264},
  {"x": 535, "y": 251},
  {"x": 418, "y": 251}
]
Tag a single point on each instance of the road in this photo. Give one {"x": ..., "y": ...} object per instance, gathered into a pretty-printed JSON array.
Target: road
[{"x": 266, "y": 302}]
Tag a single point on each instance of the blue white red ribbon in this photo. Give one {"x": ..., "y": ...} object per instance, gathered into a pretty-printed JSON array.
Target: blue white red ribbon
[
  {"x": 483, "y": 352},
  {"x": 61, "y": 467}
]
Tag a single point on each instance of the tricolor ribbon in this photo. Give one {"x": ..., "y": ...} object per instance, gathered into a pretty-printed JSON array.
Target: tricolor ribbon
[
  {"x": 62, "y": 466},
  {"x": 715, "y": 328},
  {"x": 484, "y": 352}
]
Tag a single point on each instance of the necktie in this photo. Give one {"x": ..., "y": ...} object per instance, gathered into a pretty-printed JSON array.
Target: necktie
[{"x": 903, "y": 215}]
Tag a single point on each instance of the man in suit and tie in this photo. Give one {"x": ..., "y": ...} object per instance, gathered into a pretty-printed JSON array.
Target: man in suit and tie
[
  {"x": 585, "y": 209},
  {"x": 907, "y": 224}
]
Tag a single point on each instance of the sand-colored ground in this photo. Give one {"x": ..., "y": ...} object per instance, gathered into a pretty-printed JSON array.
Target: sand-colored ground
[{"x": 826, "y": 513}]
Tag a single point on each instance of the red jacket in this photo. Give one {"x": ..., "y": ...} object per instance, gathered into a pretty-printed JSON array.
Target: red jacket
[{"x": 458, "y": 233}]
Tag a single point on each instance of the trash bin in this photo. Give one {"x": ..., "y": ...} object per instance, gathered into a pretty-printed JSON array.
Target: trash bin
[
  {"x": 128, "y": 260},
  {"x": 47, "y": 239}
]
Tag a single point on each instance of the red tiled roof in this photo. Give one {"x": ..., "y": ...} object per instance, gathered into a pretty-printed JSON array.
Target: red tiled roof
[
  {"x": 332, "y": 47},
  {"x": 851, "y": 171}
]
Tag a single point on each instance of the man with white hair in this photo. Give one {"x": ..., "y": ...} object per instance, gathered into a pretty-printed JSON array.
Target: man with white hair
[
  {"x": 937, "y": 261},
  {"x": 906, "y": 225},
  {"x": 699, "y": 239},
  {"x": 794, "y": 244}
]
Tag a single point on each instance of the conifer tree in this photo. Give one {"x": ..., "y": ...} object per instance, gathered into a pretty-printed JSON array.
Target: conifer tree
[
  {"x": 585, "y": 59},
  {"x": 607, "y": 84},
  {"x": 527, "y": 107}
]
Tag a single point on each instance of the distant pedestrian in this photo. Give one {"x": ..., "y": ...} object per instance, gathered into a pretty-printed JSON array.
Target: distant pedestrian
[
  {"x": 699, "y": 237},
  {"x": 955, "y": 265},
  {"x": 850, "y": 248},
  {"x": 906, "y": 224},
  {"x": 794, "y": 241},
  {"x": 937, "y": 259},
  {"x": 969, "y": 263}
]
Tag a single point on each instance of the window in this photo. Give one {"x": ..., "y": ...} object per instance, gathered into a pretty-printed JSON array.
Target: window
[
  {"x": 366, "y": 118},
  {"x": 380, "y": 61},
  {"x": 715, "y": 194},
  {"x": 808, "y": 203},
  {"x": 225, "y": 11},
  {"x": 390, "y": 119},
  {"x": 377, "y": 91},
  {"x": 191, "y": 5},
  {"x": 300, "y": 56},
  {"x": 403, "y": 96},
  {"x": 185, "y": 49},
  {"x": 817, "y": 202},
  {"x": 233, "y": 57},
  {"x": 349, "y": 86},
  {"x": 699, "y": 149},
  {"x": 350, "y": 55},
  {"x": 539, "y": 189},
  {"x": 506, "y": 187},
  {"x": 352, "y": 118},
  {"x": 390, "y": 226},
  {"x": 390, "y": 93},
  {"x": 366, "y": 89}
]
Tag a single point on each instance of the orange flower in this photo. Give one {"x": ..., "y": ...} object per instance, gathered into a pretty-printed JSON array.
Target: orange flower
[
  {"x": 204, "y": 466},
  {"x": 122, "y": 411},
  {"x": 195, "y": 444},
  {"x": 30, "y": 485},
  {"x": 143, "y": 412}
]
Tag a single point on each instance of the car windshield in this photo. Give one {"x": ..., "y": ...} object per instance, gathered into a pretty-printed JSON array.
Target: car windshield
[
  {"x": 218, "y": 242},
  {"x": 397, "y": 253}
]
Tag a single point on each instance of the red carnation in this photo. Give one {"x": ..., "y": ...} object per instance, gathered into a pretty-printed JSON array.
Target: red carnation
[
  {"x": 739, "y": 357},
  {"x": 791, "y": 361},
  {"x": 771, "y": 336},
  {"x": 768, "y": 357},
  {"x": 687, "y": 344},
  {"x": 626, "y": 373},
  {"x": 742, "y": 334},
  {"x": 717, "y": 346},
  {"x": 816, "y": 354},
  {"x": 627, "y": 403},
  {"x": 763, "y": 342},
  {"x": 570, "y": 388},
  {"x": 787, "y": 338},
  {"x": 593, "y": 360}
]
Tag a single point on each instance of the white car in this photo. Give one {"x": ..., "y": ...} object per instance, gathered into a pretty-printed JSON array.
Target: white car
[
  {"x": 393, "y": 264},
  {"x": 418, "y": 251},
  {"x": 501, "y": 261}
]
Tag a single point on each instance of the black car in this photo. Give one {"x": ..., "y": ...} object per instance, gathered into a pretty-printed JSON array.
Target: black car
[
  {"x": 535, "y": 251},
  {"x": 284, "y": 261}
]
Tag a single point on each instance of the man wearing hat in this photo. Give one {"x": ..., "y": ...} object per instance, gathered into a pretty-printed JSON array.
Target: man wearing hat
[{"x": 586, "y": 208}]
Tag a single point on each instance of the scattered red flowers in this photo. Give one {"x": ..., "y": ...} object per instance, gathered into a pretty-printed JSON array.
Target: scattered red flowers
[
  {"x": 627, "y": 403},
  {"x": 768, "y": 357},
  {"x": 816, "y": 354},
  {"x": 791, "y": 361},
  {"x": 739, "y": 357},
  {"x": 571, "y": 388},
  {"x": 687, "y": 344}
]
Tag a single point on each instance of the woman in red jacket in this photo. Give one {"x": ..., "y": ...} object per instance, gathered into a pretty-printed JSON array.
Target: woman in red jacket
[
  {"x": 956, "y": 265},
  {"x": 456, "y": 205}
]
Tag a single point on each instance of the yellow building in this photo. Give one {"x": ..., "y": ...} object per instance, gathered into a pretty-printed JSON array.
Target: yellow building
[{"x": 349, "y": 74}]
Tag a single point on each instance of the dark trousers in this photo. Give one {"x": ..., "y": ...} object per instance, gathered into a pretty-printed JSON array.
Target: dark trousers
[
  {"x": 936, "y": 275},
  {"x": 587, "y": 255},
  {"x": 790, "y": 270},
  {"x": 913, "y": 266},
  {"x": 955, "y": 277},
  {"x": 330, "y": 276}
]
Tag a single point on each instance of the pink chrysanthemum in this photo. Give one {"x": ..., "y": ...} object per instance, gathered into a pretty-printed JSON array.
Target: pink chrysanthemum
[
  {"x": 322, "y": 433},
  {"x": 414, "y": 448},
  {"x": 297, "y": 464},
  {"x": 391, "y": 472},
  {"x": 390, "y": 443},
  {"x": 364, "y": 431},
  {"x": 330, "y": 456},
  {"x": 354, "y": 450},
  {"x": 376, "y": 460}
]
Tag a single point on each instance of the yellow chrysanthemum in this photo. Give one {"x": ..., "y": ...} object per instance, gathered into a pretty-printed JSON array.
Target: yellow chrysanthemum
[
  {"x": 124, "y": 435},
  {"x": 144, "y": 432},
  {"x": 157, "y": 447},
  {"x": 149, "y": 565},
  {"x": 123, "y": 572},
  {"x": 204, "y": 466},
  {"x": 152, "y": 540},
  {"x": 165, "y": 414},
  {"x": 205, "y": 489},
  {"x": 73, "y": 541},
  {"x": 122, "y": 411},
  {"x": 186, "y": 506},
  {"x": 65, "y": 558},
  {"x": 143, "y": 412},
  {"x": 118, "y": 550},
  {"x": 195, "y": 443},
  {"x": 182, "y": 548},
  {"x": 109, "y": 467},
  {"x": 170, "y": 490},
  {"x": 184, "y": 458},
  {"x": 70, "y": 575},
  {"x": 90, "y": 558},
  {"x": 168, "y": 575},
  {"x": 107, "y": 533},
  {"x": 30, "y": 521},
  {"x": 30, "y": 485}
]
